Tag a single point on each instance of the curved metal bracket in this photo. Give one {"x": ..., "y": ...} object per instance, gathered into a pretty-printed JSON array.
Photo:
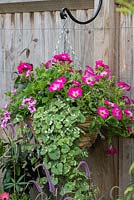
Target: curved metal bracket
[{"x": 63, "y": 14}]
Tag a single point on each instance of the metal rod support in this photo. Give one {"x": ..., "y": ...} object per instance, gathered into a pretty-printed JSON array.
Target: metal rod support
[{"x": 65, "y": 11}]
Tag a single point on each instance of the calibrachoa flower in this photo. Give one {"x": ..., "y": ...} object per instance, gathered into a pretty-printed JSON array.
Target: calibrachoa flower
[
  {"x": 75, "y": 92},
  {"x": 55, "y": 86},
  {"x": 30, "y": 102},
  {"x": 105, "y": 73},
  {"x": 111, "y": 151},
  {"x": 103, "y": 112},
  {"x": 14, "y": 92},
  {"x": 4, "y": 196},
  {"x": 117, "y": 113},
  {"x": 123, "y": 86},
  {"x": 24, "y": 67}
]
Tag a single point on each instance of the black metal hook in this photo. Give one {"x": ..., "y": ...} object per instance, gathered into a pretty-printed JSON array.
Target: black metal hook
[{"x": 63, "y": 14}]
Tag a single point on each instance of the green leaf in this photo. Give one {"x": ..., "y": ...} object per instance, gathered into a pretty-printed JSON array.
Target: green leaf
[
  {"x": 54, "y": 154},
  {"x": 57, "y": 169}
]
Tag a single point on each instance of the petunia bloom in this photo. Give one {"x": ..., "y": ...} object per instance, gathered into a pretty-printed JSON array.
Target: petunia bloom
[
  {"x": 61, "y": 80},
  {"x": 117, "y": 113},
  {"x": 4, "y": 196},
  {"x": 106, "y": 102},
  {"x": 89, "y": 71},
  {"x": 128, "y": 113},
  {"x": 123, "y": 86},
  {"x": 62, "y": 58},
  {"x": 76, "y": 83},
  {"x": 111, "y": 151},
  {"x": 24, "y": 67},
  {"x": 75, "y": 92},
  {"x": 48, "y": 64},
  {"x": 55, "y": 86},
  {"x": 126, "y": 99},
  {"x": 88, "y": 80},
  {"x": 100, "y": 63},
  {"x": 103, "y": 112}
]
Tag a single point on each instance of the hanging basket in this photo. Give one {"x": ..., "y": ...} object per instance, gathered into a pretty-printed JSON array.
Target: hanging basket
[{"x": 87, "y": 139}]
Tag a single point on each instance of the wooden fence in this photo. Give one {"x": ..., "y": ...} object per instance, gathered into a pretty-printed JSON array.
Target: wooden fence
[{"x": 110, "y": 37}]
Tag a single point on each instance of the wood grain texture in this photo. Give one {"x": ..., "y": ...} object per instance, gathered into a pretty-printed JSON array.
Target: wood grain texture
[
  {"x": 48, "y": 5},
  {"x": 110, "y": 37}
]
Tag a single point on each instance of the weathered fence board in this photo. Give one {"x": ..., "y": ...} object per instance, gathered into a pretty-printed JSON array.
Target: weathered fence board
[
  {"x": 12, "y": 6},
  {"x": 110, "y": 37}
]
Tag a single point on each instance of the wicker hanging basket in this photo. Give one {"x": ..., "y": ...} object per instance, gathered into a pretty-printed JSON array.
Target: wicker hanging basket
[{"x": 86, "y": 140}]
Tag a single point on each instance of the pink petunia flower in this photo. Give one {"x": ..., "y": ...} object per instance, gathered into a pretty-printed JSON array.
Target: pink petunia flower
[
  {"x": 106, "y": 102},
  {"x": 128, "y": 113},
  {"x": 75, "y": 92},
  {"x": 111, "y": 151},
  {"x": 100, "y": 63},
  {"x": 88, "y": 80},
  {"x": 31, "y": 108},
  {"x": 61, "y": 80},
  {"x": 61, "y": 58},
  {"x": 126, "y": 99},
  {"x": 105, "y": 73},
  {"x": 97, "y": 77},
  {"x": 103, "y": 112},
  {"x": 124, "y": 86},
  {"x": 4, "y": 196},
  {"x": 76, "y": 83},
  {"x": 14, "y": 91},
  {"x": 117, "y": 113},
  {"x": 89, "y": 71},
  {"x": 24, "y": 67},
  {"x": 48, "y": 64},
  {"x": 55, "y": 86}
]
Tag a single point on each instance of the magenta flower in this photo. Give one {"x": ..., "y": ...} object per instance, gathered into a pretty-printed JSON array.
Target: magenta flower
[
  {"x": 24, "y": 67},
  {"x": 14, "y": 92},
  {"x": 61, "y": 58},
  {"x": 106, "y": 102},
  {"x": 31, "y": 108},
  {"x": 61, "y": 80},
  {"x": 76, "y": 83},
  {"x": 97, "y": 77},
  {"x": 48, "y": 64},
  {"x": 117, "y": 113},
  {"x": 4, "y": 196},
  {"x": 7, "y": 115},
  {"x": 111, "y": 151},
  {"x": 55, "y": 86},
  {"x": 100, "y": 63},
  {"x": 123, "y": 86},
  {"x": 89, "y": 71},
  {"x": 105, "y": 73},
  {"x": 126, "y": 99},
  {"x": 103, "y": 112},
  {"x": 4, "y": 123},
  {"x": 88, "y": 80},
  {"x": 128, "y": 113},
  {"x": 75, "y": 92}
]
